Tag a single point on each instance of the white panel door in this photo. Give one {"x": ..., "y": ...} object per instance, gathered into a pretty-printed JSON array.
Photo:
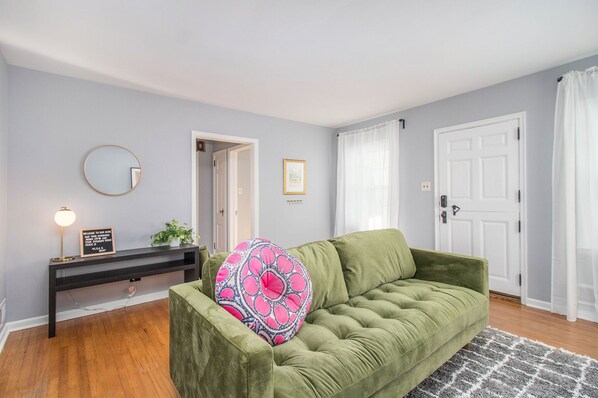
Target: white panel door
[
  {"x": 220, "y": 182},
  {"x": 478, "y": 171}
]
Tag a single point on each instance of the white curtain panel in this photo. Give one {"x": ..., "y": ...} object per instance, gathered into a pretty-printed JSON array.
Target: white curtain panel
[
  {"x": 368, "y": 179},
  {"x": 575, "y": 197}
]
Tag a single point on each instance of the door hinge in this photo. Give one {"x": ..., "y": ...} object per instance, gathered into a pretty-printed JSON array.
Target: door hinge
[
  {"x": 519, "y": 279},
  {"x": 214, "y": 245},
  {"x": 518, "y": 133},
  {"x": 200, "y": 146},
  {"x": 519, "y": 226},
  {"x": 519, "y": 196},
  {"x": 214, "y": 163}
]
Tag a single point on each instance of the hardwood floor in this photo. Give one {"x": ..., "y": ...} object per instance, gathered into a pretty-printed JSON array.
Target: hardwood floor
[
  {"x": 580, "y": 337},
  {"x": 124, "y": 353}
]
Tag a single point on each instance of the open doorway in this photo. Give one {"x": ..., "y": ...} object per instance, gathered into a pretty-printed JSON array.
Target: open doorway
[{"x": 225, "y": 197}]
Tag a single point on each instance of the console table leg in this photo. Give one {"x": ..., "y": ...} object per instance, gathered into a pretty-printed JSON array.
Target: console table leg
[
  {"x": 192, "y": 274},
  {"x": 52, "y": 305}
]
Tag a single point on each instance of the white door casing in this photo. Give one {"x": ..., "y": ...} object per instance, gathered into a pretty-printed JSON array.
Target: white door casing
[
  {"x": 240, "y": 171},
  {"x": 196, "y": 217},
  {"x": 220, "y": 211},
  {"x": 478, "y": 168}
]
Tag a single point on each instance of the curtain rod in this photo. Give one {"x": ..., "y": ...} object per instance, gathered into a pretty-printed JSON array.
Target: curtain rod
[
  {"x": 559, "y": 79},
  {"x": 402, "y": 121}
]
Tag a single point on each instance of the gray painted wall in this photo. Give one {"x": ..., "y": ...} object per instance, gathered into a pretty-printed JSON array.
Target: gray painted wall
[
  {"x": 3, "y": 174},
  {"x": 55, "y": 120},
  {"x": 219, "y": 146},
  {"x": 535, "y": 94}
]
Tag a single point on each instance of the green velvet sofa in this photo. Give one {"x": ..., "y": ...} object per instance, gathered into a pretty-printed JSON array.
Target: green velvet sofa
[{"x": 383, "y": 318}]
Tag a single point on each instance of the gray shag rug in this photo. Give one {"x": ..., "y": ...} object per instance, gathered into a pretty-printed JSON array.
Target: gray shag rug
[{"x": 499, "y": 364}]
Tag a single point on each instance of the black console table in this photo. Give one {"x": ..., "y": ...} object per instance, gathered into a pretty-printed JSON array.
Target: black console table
[{"x": 189, "y": 263}]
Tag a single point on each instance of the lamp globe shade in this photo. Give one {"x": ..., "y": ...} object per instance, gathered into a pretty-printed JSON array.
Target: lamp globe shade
[{"x": 65, "y": 217}]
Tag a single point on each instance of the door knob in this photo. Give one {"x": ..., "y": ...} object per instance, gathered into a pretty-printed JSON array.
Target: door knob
[
  {"x": 443, "y": 216},
  {"x": 455, "y": 209},
  {"x": 221, "y": 211}
]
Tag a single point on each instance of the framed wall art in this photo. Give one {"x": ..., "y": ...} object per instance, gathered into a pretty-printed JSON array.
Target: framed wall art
[{"x": 294, "y": 177}]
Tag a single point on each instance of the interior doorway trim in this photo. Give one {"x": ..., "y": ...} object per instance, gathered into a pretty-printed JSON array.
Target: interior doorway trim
[
  {"x": 520, "y": 116},
  {"x": 233, "y": 225},
  {"x": 202, "y": 135}
]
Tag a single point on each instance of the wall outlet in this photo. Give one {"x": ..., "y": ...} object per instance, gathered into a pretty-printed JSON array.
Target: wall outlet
[{"x": 426, "y": 186}]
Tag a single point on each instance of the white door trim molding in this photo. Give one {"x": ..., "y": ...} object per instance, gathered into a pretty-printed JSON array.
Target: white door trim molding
[
  {"x": 220, "y": 189},
  {"x": 231, "y": 184},
  {"x": 233, "y": 227},
  {"x": 202, "y": 135},
  {"x": 520, "y": 116}
]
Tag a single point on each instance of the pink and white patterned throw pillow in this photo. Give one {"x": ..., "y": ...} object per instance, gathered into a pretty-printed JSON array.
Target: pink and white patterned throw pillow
[{"x": 266, "y": 288}]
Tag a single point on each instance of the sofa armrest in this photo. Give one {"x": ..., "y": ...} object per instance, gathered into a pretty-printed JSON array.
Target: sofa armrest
[
  {"x": 453, "y": 269},
  {"x": 211, "y": 352}
]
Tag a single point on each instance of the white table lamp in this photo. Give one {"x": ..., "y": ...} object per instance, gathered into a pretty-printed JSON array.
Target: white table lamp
[{"x": 64, "y": 218}]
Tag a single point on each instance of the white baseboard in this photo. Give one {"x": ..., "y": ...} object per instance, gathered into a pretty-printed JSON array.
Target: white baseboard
[
  {"x": 3, "y": 326},
  {"x": 539, "y": 304},
  {"x": 3, "y": 336},
  {"x": 77, "y": 313},
  {"x": 585, "y": 310},
  {"x": 3, "y": 312}
]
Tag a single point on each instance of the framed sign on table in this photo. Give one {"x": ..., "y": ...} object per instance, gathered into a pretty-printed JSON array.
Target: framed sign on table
[
  {"x": 294, "y": 177},
  {"x": 97, "y": 242}
]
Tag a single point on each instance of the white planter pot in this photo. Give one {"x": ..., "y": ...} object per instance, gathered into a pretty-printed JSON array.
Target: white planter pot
[{"x": 175, "y": 242}]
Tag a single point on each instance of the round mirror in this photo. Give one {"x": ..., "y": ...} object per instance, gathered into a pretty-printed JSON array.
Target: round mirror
[{"x": 112, "y": 170}]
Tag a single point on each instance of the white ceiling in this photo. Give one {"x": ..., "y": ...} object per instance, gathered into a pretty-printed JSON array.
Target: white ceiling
[{"x": 326, "y": 62}]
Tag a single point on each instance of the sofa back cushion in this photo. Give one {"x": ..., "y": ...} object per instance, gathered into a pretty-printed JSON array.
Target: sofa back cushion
[
  {"x": 324, "y": 267},
  {"x": 204, "y": 255},
  {"x": 372, "y": 258},
  {"x": 209, "y": 271},
  {"x": 319, "y": 258},
  {"x": 266, "y": 288}
]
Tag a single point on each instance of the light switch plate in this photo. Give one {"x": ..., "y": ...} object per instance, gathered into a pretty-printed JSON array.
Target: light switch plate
[{"x": 426, "y": 186}]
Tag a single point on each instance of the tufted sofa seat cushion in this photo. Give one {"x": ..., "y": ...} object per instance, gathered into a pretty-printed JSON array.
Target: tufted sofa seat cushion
[{"x": 358, "y": 347}]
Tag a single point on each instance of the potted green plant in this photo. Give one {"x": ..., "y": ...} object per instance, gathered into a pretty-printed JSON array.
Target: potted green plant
[{"x": 174, "y": 235}]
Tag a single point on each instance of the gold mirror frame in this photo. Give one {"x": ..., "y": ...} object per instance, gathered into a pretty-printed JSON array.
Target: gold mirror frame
[{"x": 114, "y": 146}]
